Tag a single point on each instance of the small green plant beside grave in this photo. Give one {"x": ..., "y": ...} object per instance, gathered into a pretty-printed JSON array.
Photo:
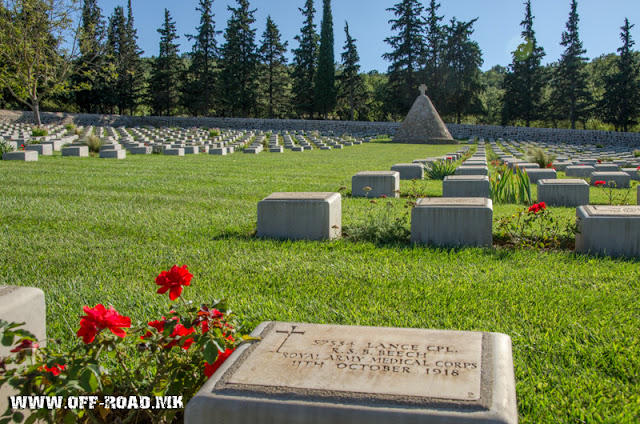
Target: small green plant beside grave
[
  {"x": 380, "y": 223},
  {"x": 613, "y": 195},
  {"x": 71, "y": 128},
  {"x": 94, "y": 143},
  {"x": 440, "y": 169},
  {"x": 39, "y": 132},
  {"x": 536, "y": 227},
  {"x": 540, "y": 157},
  {"x": 508, "y": 186},
  {"x": 5, "y": 147}
]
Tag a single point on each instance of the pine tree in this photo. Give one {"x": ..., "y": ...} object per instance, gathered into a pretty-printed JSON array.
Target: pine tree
[
  {"x": 202, "y": 86},
  {"x": 92, "y": 76},
  {"x": 570, "y": 97},
  {"x": 305, "y": 59},
  {"x": 620, "y": 104},
  {"x": 408, "y": 50},
  {"x": 525, "y": 80},
  {"x": 434, "y": 55},
  {"x": 463, "y": 59},
  {"x": 167, "y": 69},
  {"x": 351, "y": 83},
  {"x": 275, "y": 79},
  {"x": 324, "y": 89},
  {"x": 116, "y": 39},
  {"x": 240, "y": 61}
]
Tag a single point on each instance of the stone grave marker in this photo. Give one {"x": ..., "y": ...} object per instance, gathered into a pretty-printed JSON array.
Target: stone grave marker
[{"x": 311, "y": 373}]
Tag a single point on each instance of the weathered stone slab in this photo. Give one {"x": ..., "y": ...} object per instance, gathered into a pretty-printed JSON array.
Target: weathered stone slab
[
  {"x": 608, "y": 230},
  {"x": 220, "y": 151},
  {"x": 173, "y": 152},
  {"x": 634, "y": 173},
  {"x": 42, "y": 149},
  {"x": 113, "y": 154},
  {"x": 466, "y": 186},
  {"x": 23, "y": 155},
  {"x": 580, "y": 171},
  {"x": 342, "y": 374},
  {"x": 472, "y": 170},
  {"x": 564, "y": 192},
  {"x": 617, "y": 179},
  {"x": 606, "y": 167},
  {"x": 79, "y": 151},
  {"x": 144, "y": 150},
  {"x": 409, "y": 171},
  {"x": 310, "y": 216},
  {"x": 381, "y": 183},
  {"x": 536, "y": 175},
  {"x": 453, "y": 221}
]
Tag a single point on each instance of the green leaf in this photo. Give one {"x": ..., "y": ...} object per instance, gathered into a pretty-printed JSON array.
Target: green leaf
[
  {"x": 88, "y": 381},
  {"x": 18, "y": 417},
  {"x": 7, "y": 338},
  {"x": 210, "y": 352}
]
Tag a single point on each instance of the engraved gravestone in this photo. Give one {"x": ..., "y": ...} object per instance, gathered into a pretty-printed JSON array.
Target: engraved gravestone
[{"x": 342, "y": 374}]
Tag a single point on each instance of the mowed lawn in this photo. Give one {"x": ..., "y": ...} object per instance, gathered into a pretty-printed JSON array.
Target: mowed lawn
[{"x": 89, "y": 230}]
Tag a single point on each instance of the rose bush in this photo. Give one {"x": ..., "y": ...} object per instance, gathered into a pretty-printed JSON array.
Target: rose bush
[{"x": 171, "y": 356}]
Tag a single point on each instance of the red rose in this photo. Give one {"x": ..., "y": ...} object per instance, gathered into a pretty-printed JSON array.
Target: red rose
[
  {"x": 599, "y": 183},
  {"x": 99, "y": 318},
  {"x": 173, "y": 280},
  {"x": 206, "y": 315},
  {"x": 542, "y": 205},
  {"x": 55, "y": 370},
  {"x": 25, "y": 344},
  {"x": 222, "y": 356}
]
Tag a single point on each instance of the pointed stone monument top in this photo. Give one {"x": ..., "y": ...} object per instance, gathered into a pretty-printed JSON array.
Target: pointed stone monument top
[{"x": 423, "y": 124}]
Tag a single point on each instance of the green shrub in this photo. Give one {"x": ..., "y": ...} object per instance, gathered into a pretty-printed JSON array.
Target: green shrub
[
  {"x": 508, "y": 186},
  {"x": 540, "y": 157},
  {"x": 439, "y": 169},
  {"x": 599, "y": 146},
  {"x": 636, "y": 153},
  {"x": 5, "y": 148},
  {"x": 39, "y": 132},
  {"x": 214, "y": 133},
  {"x": 93, "y": 142},
  {"x": 380, "y": 225},
  {"x": 70, "y": 128}
]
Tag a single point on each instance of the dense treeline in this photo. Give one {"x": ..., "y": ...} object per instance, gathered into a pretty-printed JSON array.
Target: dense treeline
[{"x": 231, "y": 73}]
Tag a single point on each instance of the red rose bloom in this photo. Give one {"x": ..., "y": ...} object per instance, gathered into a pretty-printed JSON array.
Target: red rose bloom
[
  {"x": 599, "y": 183},
  {"x": 173, "y": 280},
  {"x": 537, "y": 207},
  {"x": 55, "y": 370},
  {"x": 25, "y": 344},
  {"x": 99, "y": 318},
  {"x": 206, "y": 315},
  {"x": 222, "y": 356}
]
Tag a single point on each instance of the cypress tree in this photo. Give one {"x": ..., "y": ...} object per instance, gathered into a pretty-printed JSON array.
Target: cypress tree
[
  {"x": 570, "y": 98},
  {"x": 92, "y": 75},
  {"x": 202, "y": 85},
  {"x": 525, "y": 80},
  {"x": 275, "y": 79},
  {"x": 167, "y": 70},
  {"x": 116, "y": 41},
  {"x": 463, "y": 59},
  {"x": 620, "y": 104},
  {"x": 351, "y": 81},
  {"x": 305, "y": 59},
  {"x": 240, "y": 61},
  {"x": 325, "y": 90},
  {"x": 408, "y": 50},
  {"x": 434, "y": 54}
]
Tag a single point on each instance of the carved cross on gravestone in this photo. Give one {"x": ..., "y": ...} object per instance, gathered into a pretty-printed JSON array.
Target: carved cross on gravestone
[
  {"x": 423, "y": 90},
  {"x": 288, "y": 333}
]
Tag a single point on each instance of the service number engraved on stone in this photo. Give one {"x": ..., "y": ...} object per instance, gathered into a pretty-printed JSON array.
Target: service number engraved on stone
[
  {"x": 613, "y": 210},
  {"x": 405, "y": 362}
]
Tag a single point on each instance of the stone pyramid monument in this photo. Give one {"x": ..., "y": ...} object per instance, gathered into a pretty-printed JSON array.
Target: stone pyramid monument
[{"x": 423, "y": 125}]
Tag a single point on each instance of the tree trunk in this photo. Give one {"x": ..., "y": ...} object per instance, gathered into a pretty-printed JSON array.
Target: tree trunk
[{"x": 35, "y": 106}]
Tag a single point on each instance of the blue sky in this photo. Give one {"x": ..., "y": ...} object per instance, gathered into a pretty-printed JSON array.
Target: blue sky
[{"x": 497, "y": 30}]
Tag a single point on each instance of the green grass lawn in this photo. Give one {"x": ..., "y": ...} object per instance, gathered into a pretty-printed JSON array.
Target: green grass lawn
[{"x": 89, "y": 230}]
